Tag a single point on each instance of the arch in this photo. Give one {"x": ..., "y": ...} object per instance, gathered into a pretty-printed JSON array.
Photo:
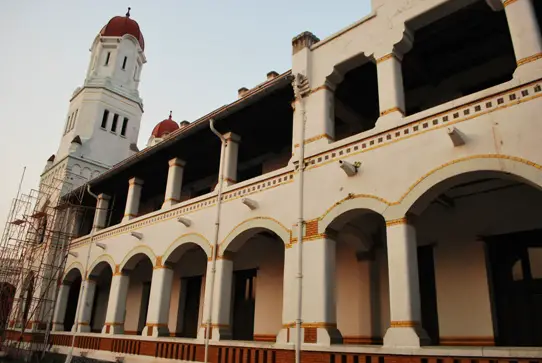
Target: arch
[
  {"x": 516, "y": 167},
  {"x": 194, "y": 238},
  {"x": 256, "y": 224},
  {"x": 139, "y": 250},
  {"x": 73, "y": 266},
  {"x": 353, "y": 201},
  {"x": 102, "y": 259}
]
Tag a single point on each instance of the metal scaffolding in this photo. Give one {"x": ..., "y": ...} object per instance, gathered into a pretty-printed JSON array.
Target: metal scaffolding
[{"x": 33, "y": 252}]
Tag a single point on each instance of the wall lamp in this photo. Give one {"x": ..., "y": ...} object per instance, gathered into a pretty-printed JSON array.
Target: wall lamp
[
  {"x": 137, "y": 235},
  {"x": 187, "y": 222},
  {"x": 349, "y": 168},
  {"x": 252, "y": 204}
]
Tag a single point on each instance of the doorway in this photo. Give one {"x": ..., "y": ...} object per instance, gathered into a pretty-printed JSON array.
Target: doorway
[
  {"x": 428, "y": 293},
  {"x": 516, "y": 264},
  {"x": 244, "y": 304},
  {"x": 145, "y": 296},
  {"x": 190, "y": 304}
]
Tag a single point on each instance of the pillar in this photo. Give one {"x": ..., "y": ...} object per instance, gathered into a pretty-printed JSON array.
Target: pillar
[
  {"x": 230, "y": 158},
  {"x": 116, "y": 307},
  {"x": 85, "y": 310},
  {"x": 320, "y": 113},
  {"x": 174, "y": 182},
  {"x": 525, "y": 32},
  {"x": 159, "y": 301},
  {"x": 289, "y": 297},
  {"x": 220, "y": 311},
  {"x": 100, "y": 216},
  {"x": 60, "y": 307},
  {"x": 405, "y": 311},
  {"x": 319, "y": 302},
  {"x": 132, "y": 200},
  {"x": 391, "y": 94}
]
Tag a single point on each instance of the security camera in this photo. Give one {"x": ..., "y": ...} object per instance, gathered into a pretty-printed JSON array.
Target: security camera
[{"x": 348, "y": 168}]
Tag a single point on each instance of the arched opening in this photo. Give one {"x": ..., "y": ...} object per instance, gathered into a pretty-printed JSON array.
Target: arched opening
[
  {"x": 7, "y": 294},
  {"x": 189, "y": 264},
  {"x": 356, "y": 97},
  {"x": 139, "y": 270},
  {"x": 458, "y": 50},
  {"x": 479, "y": 240},
  {"x": 101, "y": 274},
  {"x": 258, "y": 273},
  {"x": 73, "y": 279},
  {"x": 362, "y": 297}
]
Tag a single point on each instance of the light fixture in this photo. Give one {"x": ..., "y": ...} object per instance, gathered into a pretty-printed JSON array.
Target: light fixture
[
  {"x": 73, "y": 254},
  {"x": 137, "y": 235},
  {"x": 187, "y": 222},
  {"x": 252, "y": 204},
  {"x": 349, "y": 168},
  {"x": 101, "y": 245},
  {"x": 456, "y": 136}
]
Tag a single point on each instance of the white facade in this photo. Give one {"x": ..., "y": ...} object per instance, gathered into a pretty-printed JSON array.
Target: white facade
[{"x": 399, "y": 251}]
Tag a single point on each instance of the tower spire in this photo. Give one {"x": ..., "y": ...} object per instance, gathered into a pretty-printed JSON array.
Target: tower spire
[
  {"x": 128, "y": 12},
  {"x": 170, "y": 114}
]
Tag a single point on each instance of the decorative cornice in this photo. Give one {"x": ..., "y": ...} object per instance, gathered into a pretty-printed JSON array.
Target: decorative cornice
[
  {"x": 404, "y": 324},
  {"x": 529, "y": 59}
]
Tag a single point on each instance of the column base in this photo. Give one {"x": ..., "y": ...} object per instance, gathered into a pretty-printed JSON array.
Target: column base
[
  {"x": 529, "y": 71},
  {"x": 156, "y": 330},
  {"x": 58, "y": 327},
  {"x": 113, "y": 329},
  {"x": 406, "y": 337},
  {"x": 321, "y": 335},
  {"x": 390, "y": 120},
  {"x": 286, "y": 335},
  {"x": 83, "y": 328},
  {"x": 217, "y": 333}
]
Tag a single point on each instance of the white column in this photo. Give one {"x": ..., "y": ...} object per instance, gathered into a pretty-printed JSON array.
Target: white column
[
  {"x": 86, "y": 301},
  {"x": 132, "y": 200},
  {"x": 391, "y": 94},
  {"x": 319, "y": 302},
  {"x": 100, "y": 217},
  {"x": 289, "y": 297},
  {"x": 174, "y": 182},
  {"x": 220, "y": 311},
  {"x": 524, "y": 30},
  {"x": 320, "y": 113},
  {"x": 60, "y": 308},
  {"x": 405, "y": 328},
  {"x": 230, "y": 158},
  {"x": 160, "y": 296},
  {"x": 116, "y": 307}
]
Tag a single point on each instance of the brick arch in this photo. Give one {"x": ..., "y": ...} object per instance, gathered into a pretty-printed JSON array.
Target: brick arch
[
  {"x": 185, "y": 239},
  {"x": 73, "y": 266},
  {"x": 107, "y": 259},
  {"x": 255, "y": 224},
  {"x": 139, "y": 250}
]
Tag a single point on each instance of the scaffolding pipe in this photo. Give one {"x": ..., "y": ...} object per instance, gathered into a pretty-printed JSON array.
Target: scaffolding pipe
[
  {"x": 83, "y": 285},
  {"x": 214, "y": 252}
]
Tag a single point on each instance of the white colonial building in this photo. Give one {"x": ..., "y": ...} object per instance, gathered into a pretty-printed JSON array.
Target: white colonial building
[{"x": 403, "y": 151}]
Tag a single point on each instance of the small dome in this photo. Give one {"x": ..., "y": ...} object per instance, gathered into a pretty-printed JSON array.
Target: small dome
[
  {"x": 165, "y": 127},
  {"x": 119, "y": 26}
]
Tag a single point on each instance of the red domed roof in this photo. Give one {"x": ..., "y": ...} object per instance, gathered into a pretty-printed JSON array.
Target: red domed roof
[
  {"x": 122, "y": 25},
  {"x": 165, "y": 127}
]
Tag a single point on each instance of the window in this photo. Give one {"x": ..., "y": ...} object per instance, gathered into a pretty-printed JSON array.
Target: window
[
  {"x": 104, "y": 119},
  {"x": 74, "y": 119},
  {"x": 114, "y": 124},
  {"x": 124, "y": 63},
  {"x": 124, "y": 125},
  {"x": 107, "y": 58},
  {"x": 67, "y": 125}
]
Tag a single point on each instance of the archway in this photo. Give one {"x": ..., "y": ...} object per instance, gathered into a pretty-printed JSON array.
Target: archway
[
  {"x": 7, "y": 294},
  {"x": 257, "y": 256},
  {"x": 361, "y": 278},
  {"x": 479, "y": 256},
  {"x": 189, "y": 263},
  {"x": 138, "y": 268},
  {"x": 73, "y": 281},
  {"x": 101, "y": 274}
]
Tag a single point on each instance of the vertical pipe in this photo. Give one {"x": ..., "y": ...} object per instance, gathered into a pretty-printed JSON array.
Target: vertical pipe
[{"x": 215, "y": 240}]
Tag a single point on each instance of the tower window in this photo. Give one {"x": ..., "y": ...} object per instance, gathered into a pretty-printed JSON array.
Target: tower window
[
  {"x": 104, "y": 119},
  {"x": 74, "y": 119},
  {"x": 67, "y": 125},
  {"x": 124, "y": 125},
  {"x": 107, "y": 58},
  {"x": 114, "y": 124},
  {"x": 124, "y": 63}
]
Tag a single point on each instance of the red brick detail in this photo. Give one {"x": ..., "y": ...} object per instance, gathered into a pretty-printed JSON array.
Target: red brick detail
[
  {"x": 106, "y": 344},
  {"x": 311, "y": 228},
  {"x": 148, "y": 348},
  {"x": 265, "y": 338},
  {"x": 310, "y": 335}
]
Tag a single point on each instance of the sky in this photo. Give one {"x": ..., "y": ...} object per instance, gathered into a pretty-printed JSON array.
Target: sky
[{"x": 199, "y": 53}]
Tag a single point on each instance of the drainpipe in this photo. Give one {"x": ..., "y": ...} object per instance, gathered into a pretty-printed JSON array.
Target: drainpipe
[
  {"x": 214, "y": 252},
  {"x": 300, "y": 221},
  {"x": 83, "y": 283}
]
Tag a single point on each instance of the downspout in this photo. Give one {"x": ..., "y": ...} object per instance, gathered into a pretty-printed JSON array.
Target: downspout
[
  {"x": 300, "y": 221},
  {"x": 214, "y": 251},
  {"x": 83, "y": 284}
]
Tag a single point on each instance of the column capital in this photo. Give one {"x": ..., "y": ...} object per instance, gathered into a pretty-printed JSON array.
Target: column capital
[
  {"x": 103, "y": 196},
  {"x": 303, "y": 40},
  {"x": 230, "y": 136},
  {"x": 177, "y": 162},
  {"x": 409, "y": 219},
  {"x": 135, "y": 181}
]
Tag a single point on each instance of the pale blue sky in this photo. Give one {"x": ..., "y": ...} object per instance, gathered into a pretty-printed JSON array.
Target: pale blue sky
[{"x": 199, "y": 53}]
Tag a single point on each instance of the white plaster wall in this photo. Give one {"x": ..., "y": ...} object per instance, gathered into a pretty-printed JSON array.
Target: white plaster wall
[{"x": 140, "y": 275}]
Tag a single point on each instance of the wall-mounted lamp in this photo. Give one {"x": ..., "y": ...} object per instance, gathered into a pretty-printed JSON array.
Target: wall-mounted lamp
[
  {"x": 73, "y": 254},
  {"x": 101, "y": 245},
  {"x": 456, "y": 136},
  {"x": 137, "y": 235},
  {"x": 187, "y": 222},
  {"x": 348, "y": 168},
  {"x": 252, "y": 204}
]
